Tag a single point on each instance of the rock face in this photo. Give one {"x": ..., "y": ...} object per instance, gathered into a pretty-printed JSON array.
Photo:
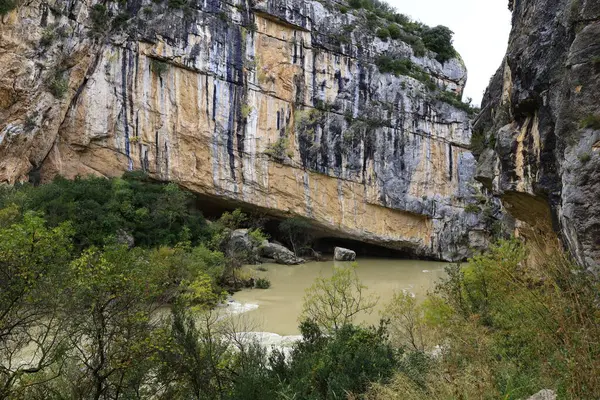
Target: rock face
[
  {"x": 341, "y": 254},
  {"x": 281, "y": 254},
  {"x": 540, "y": 125},
  {"x": 275, "y": 104},
  {"x": 240, "y": 242}
]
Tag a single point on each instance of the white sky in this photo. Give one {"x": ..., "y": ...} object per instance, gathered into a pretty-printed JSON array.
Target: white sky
[{"x": 480, "y": 27}]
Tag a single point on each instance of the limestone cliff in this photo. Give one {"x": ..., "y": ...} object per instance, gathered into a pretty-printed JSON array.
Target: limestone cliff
[
  {"x": 275, "y": 104},
  {"x": 540, "y": 125}
]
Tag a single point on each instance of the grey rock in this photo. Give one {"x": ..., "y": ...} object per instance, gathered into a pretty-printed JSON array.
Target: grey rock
[
  {"x": 279, "y": 253},
  {"x": 239, "y": 240},
  {"x": 126, "y": 238},
  {"x": 342, "y": 254},
  {"x": 545, "y": 394},
  {"x": 540, "y": 108}
]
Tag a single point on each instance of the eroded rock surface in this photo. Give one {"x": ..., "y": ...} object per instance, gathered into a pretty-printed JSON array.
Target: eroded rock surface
[
  {"x": 540, "y": 125},
  {"x": 279, "y": 253},
  {"x": 274, "y": 104},
  {"x": 342, "y": 254}
]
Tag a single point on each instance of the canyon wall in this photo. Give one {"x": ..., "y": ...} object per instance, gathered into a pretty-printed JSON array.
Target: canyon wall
[
  {"x": 539, "y": 131},
  {"x": 273, "y": 104}
]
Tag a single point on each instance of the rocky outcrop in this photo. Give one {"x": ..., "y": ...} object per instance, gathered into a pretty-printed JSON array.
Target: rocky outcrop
[
  {"x": 342, "y": 254},
  {"x": 274, "y": 104},
  {"x": 540, "y": 125},
  {"x": 279, "y": 253},
  {"x": 240, "y": 243}
]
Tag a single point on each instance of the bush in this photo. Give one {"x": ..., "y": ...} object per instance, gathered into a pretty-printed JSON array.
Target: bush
[
  {"x": 48, "y": 37},
  {"x": 472, "y": 208},
  {"x": 297, "y": 232},
  {"x": 592, "y": 121},
  {"x": 383, "y": 34},
  {"x": 99, "y": 17},
  {"x": 405, "y": 67},
  {"x": 342, "y": 365},
  {"x": 584, "y": 157},
  {"x": 58, "y": 86},
  {"x": 334, "y": 302},
  {"x": 7, "y": 6},
  {"x": 257, "y": 236},
  {"x": 394, "y": 31},
  {"x": 177, "y": 3},
  {"x": 454, "y": 100},
  {"x": 153, "y": 213},
  {"x": 439, "y": 40},
  {"x": 279, "y": 149},
  {"x": 159, "y": 67},
  {"x": 262, "y": 283}
]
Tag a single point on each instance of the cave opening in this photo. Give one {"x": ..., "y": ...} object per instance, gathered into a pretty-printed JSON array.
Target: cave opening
[{"x": 324, "y": 240}]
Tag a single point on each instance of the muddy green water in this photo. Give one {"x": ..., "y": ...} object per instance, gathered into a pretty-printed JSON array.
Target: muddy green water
[{"x": 279, "y": 306}]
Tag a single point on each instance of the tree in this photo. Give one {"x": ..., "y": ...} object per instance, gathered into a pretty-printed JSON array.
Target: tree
[
  {"x": 297, "y": 232},
  {"x": 439, "y": 40},
  {"x": 406, "y": 321},
  {"x": 335, "y": 366},
  {"x": 115, "y": 327},
  {"x": 334, "y": 302},
  {"x": 33, "y": 280}
]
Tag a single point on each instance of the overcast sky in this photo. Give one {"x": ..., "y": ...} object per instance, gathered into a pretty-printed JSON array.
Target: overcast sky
[{"x": 480, "y": 27}]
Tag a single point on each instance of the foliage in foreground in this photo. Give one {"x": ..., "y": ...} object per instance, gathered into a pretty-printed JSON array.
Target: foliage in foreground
[
  {"x": 507, "y": 328},
  {"x": 85, "y": 316}
]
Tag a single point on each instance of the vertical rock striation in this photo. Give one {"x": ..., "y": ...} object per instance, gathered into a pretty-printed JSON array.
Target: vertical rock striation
[
  {"x": 540, "y": 125},
  {"x": 276, "y": 104}
]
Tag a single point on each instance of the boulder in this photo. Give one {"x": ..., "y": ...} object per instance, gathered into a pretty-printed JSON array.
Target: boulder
[
  {"x": 126, "y": 238},
  {"x": 240, "y": 241},
  {"x": 279, "y": 253},
  {"x": 241, "y": 245},
  {"x": 545, "y": 394},
  {"x": 342, "y": 254}
]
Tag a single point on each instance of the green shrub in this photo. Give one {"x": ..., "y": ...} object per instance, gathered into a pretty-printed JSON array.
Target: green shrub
[
  {"x": 325, "y": 366},
  {"x": 472, "y": 209},
  {"x": 592, "y": 121},
  {"x": 59, "y": 85},
  {"x": 262, "y": 283},
  {"x": 383, "y": 34},
  {"x": 279, "y": 149},
  {"x": 177, "y": 3},
  {"x": 154, "y": 214},
  {"x": 159, "y": 67},
  {"x": 48, "y": 37},
  {"x": 454, "y": 100},
  {"x": 233, "y": 220},
  {"x": 297, "y": 232},
  {"x": 7, "y": 6},
  {"x": 257, "y": 236},
  {"x": 120, "y": 20},
  {"x": 395, "y": 31},
  {"x": 405, "y": 67},
  {"x": 584, "y": 157},
  {"x": 99, "y": 16},
  {"x": 439, "y": 40},
  {"x": 246, "y": 110}
]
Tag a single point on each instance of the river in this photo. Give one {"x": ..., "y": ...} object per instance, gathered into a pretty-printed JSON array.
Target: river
[{"x": 280, "y": 306}]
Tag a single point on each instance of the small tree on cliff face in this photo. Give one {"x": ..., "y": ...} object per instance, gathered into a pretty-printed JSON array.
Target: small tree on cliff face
[
  {"x": 297, "y": 233},
  {"x": 334, "y": 302}
]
